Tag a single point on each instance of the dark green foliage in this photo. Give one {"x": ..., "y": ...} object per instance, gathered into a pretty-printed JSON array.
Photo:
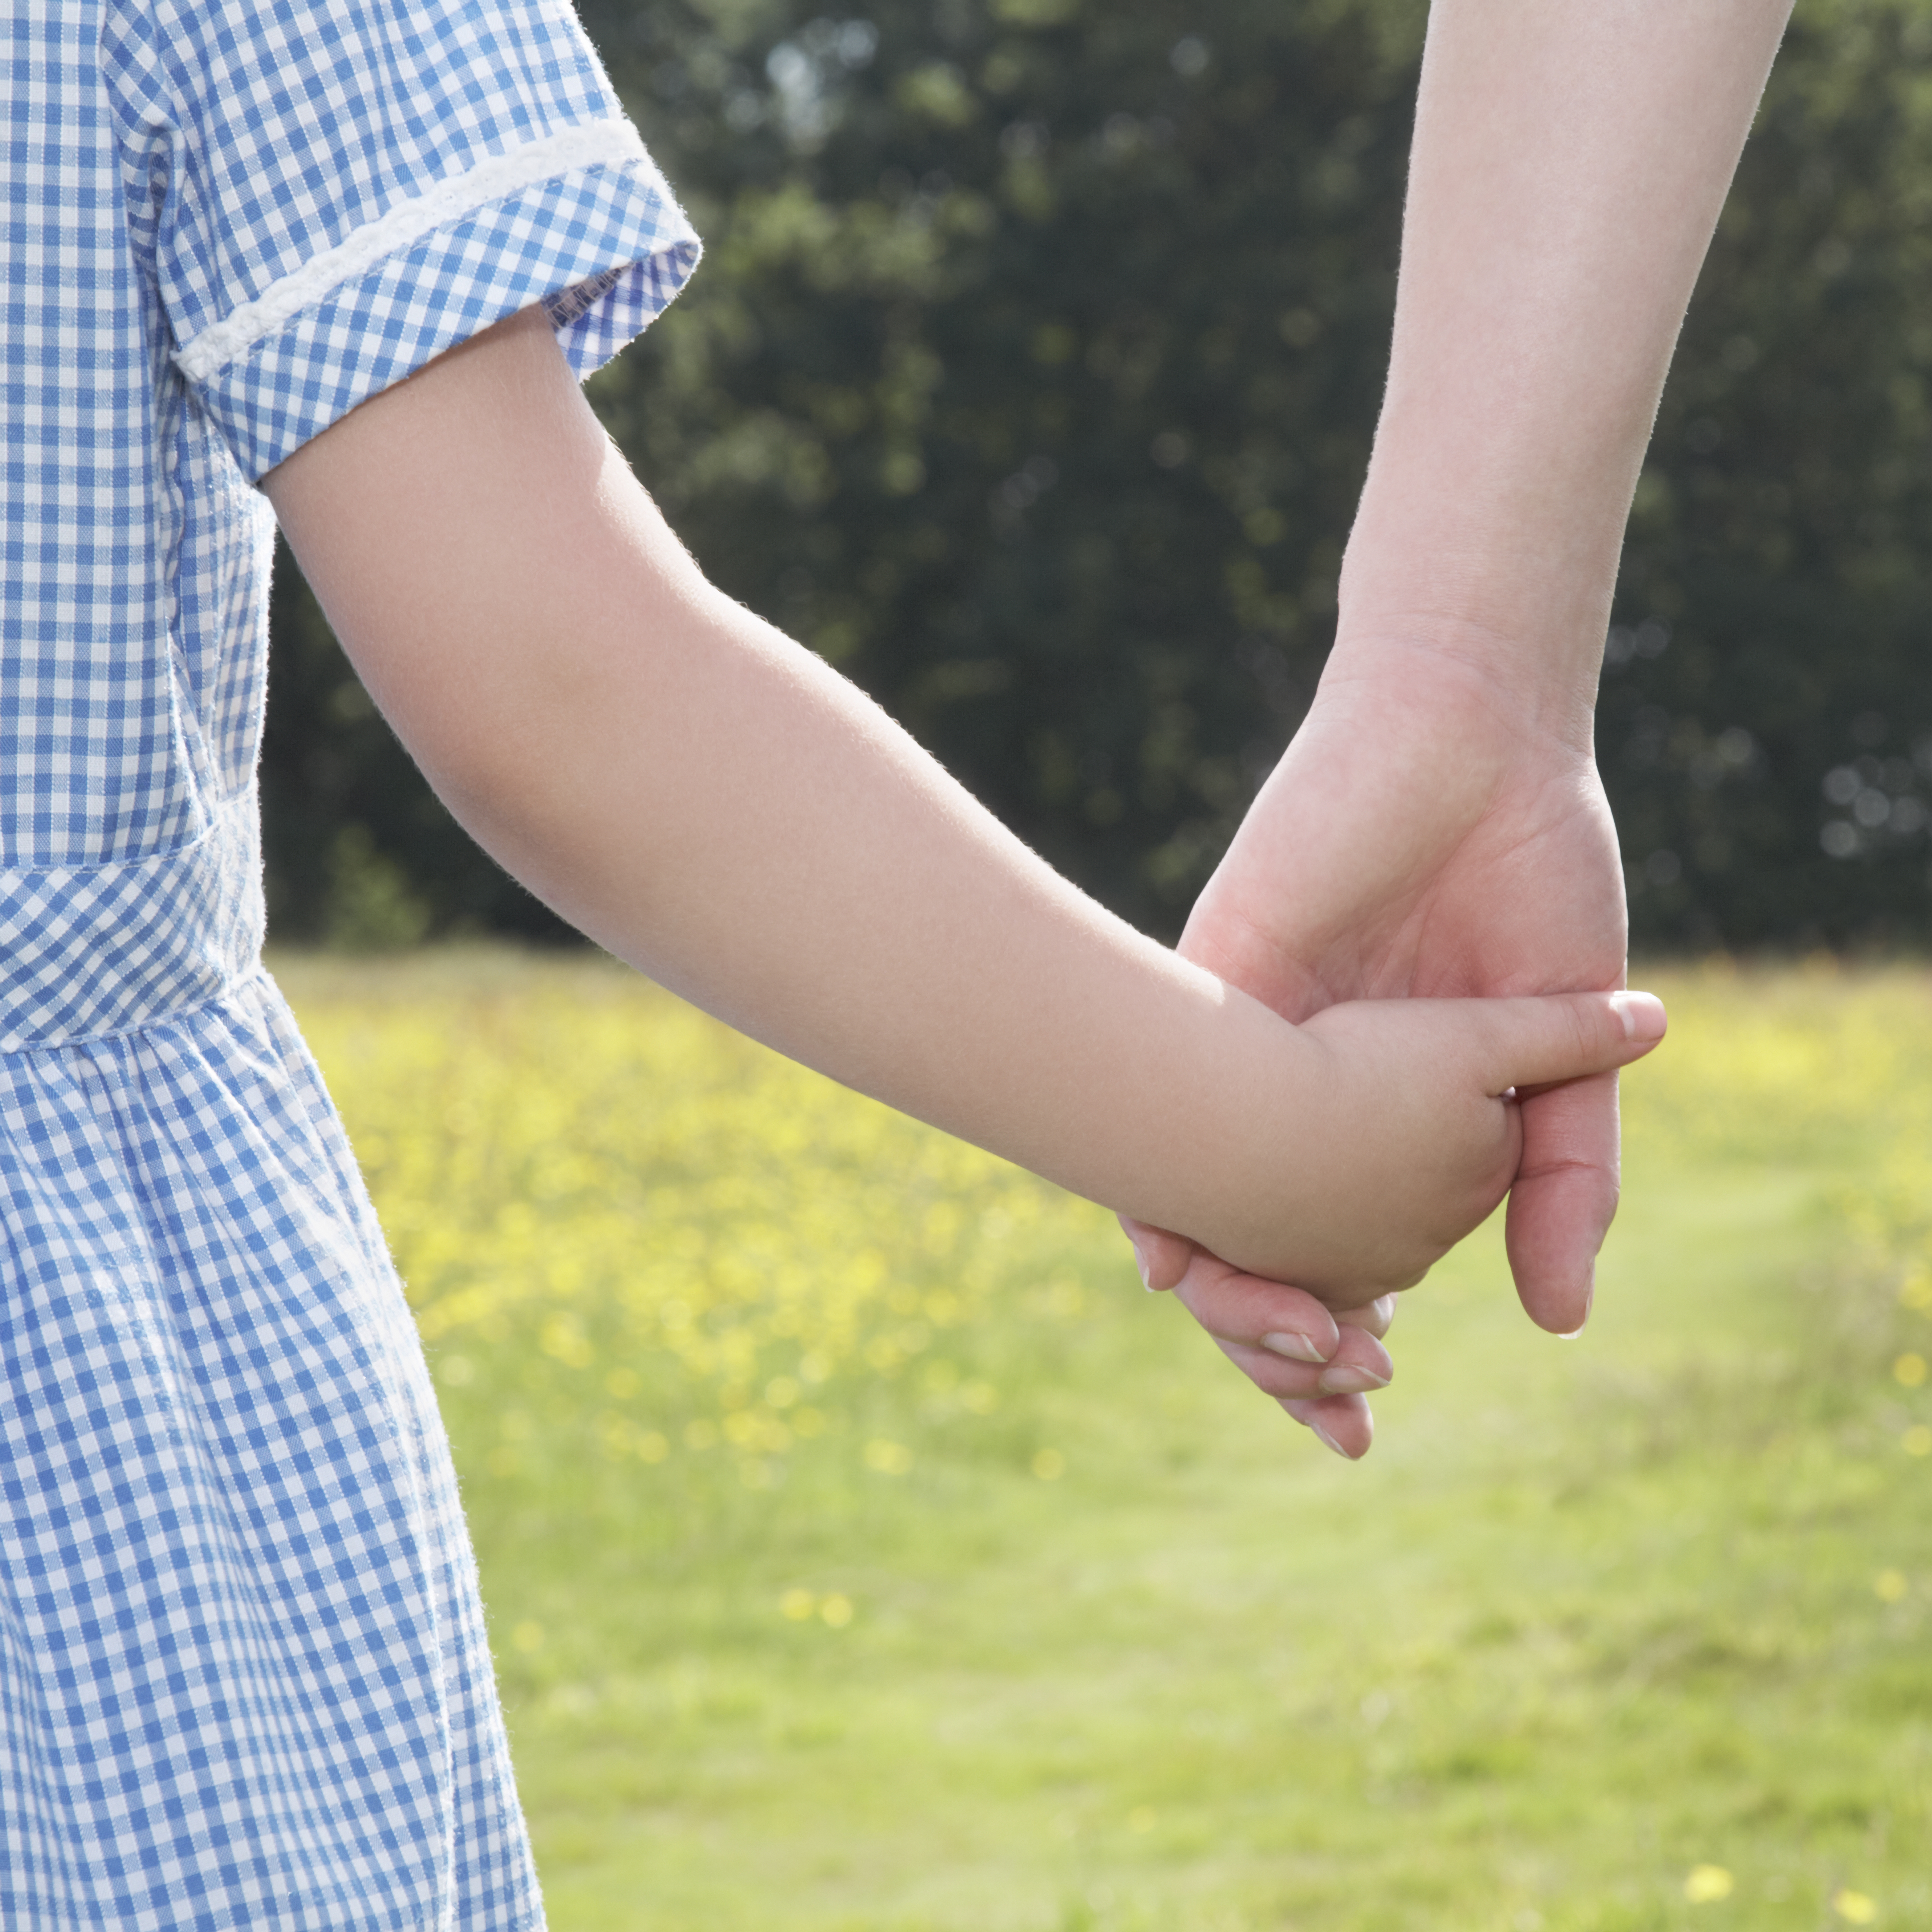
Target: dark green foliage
[
  {"x": 1030, "y": 377},
  {"x": 1781, "y": 531}
]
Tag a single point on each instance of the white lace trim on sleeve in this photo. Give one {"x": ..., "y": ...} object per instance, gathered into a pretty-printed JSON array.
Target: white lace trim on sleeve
[{"x": 591, "y": 145}]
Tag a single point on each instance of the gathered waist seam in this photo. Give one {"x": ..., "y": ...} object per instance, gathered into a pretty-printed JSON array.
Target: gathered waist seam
[
  {"x": 175, "y": 1016},
  {"x": 99, "y": 952}
]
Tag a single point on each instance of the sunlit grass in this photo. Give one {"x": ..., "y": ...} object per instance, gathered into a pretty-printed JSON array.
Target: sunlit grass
[{"x": 865, "y": 1550}]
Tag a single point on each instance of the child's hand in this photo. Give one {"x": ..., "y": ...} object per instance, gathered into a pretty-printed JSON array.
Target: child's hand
[{"x": 1413, "y": 1132}]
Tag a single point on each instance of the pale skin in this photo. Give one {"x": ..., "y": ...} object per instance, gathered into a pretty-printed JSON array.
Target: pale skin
[
  {"x": 1438, "y": 827},
  {"x": 713, "y": 803}
]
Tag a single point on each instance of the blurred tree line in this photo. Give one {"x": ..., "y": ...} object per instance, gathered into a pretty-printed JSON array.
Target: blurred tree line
[{"x": 1030, "y": 377}]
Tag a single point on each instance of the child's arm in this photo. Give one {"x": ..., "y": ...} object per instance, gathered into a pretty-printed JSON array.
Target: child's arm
[{"x": 713, "y": 803}]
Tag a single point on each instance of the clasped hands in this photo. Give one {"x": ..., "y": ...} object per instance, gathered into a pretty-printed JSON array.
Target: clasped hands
[{"x": 1429, "y": 832}]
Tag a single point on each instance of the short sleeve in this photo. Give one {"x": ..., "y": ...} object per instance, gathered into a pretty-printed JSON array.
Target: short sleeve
[{"x": 348, "y": 187}]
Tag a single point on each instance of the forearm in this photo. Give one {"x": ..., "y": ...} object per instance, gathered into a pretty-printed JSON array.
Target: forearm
[
  {"x": 1570, "y": 163},
  {"x": 725, "y": 812},
  {"x": 713, "y": 804}
]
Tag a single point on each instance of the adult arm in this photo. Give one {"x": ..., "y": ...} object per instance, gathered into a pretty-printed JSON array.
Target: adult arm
[{"x": 1438, "y": 825}]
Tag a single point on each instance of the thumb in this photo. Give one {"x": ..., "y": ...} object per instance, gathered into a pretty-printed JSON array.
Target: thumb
[{"x": 1539, "y": 1042}]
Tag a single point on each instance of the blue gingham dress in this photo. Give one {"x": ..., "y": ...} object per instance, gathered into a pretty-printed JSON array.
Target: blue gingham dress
[{"x": 244, "y": 1679}]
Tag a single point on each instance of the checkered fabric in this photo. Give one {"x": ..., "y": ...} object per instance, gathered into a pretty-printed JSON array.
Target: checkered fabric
[{"x": 244, "y": 1680}]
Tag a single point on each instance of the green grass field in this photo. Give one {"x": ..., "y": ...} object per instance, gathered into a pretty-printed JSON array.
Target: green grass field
[{"x": 864, "y": 1549}]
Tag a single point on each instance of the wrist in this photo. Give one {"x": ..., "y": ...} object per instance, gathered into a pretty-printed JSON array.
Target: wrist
[
  {"x": 1520, "y": 607},
  {"x": 1525, "y": 700}
]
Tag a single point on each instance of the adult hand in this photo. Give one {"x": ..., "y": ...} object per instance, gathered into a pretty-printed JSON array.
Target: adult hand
[
  {"x": 1437, "y": 826},
  {"x": 1430, "y": 831}
]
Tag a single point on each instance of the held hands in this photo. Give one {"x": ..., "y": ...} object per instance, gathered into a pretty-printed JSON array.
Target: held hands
[
  {"x": 1432, "y": 830},
  {"x": 1403, "y": 1128}
]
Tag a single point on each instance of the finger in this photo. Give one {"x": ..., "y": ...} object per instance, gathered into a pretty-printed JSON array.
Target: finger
[
  {"x": 1359, "y": 1366},
  {"x": 1563, "y": 1200},
  {"x": 1258, "y": 1315},
  {"x": 1562, "y": 1036},
  {"x": 1342, "y": 1421},
  {"x": 1162, "y": 1258}
]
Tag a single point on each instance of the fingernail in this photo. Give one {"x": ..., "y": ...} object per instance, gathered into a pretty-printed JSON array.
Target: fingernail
[
  {"x": 1141, "y": 1262},
  {"x": 1315, "y": 1429},
  {"x": 1589, "y": 1303},
  {"x": 1641, "y": 1015},
  {"x": 1350, "y": 1380},
  {"x": 1296, "y": 1348}
]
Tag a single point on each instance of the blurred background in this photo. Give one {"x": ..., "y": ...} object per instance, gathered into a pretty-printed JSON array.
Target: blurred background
[{"x": 1030, "y": 377}]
